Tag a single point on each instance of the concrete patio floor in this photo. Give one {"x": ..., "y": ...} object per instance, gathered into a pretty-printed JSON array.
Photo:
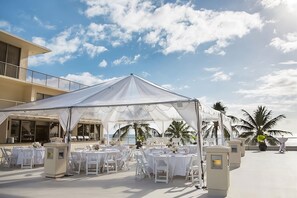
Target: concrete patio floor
[{"x": 261, "y": 174}]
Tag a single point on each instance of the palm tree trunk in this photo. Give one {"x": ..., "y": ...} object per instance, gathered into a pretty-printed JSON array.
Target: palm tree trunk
[
  {"x": 135, "y": 129},
  {"x": 216, "y": 125}
]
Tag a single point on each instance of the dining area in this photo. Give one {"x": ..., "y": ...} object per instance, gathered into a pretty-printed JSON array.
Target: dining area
[
  {"x": 100, "y": 159},
  {"x": 164, "y": 163},
  {"x": 23, "y": 156}
]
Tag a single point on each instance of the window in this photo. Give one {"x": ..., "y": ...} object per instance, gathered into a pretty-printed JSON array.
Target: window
[
  {"x": 85, "y": 130},
  {"x": 15, "y": 130},
  {"x": 42, "y": 131},
  {"x": 9, "y": 60},
  {"x": 54, "y": 130},
  {"x": 27, "y": 131},
  {"x": 40, "y": 96},
  {"x": 3, "y": 47}
]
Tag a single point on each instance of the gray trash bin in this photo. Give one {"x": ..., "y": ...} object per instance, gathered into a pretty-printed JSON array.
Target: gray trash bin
[
  {"x": 10, "y": 140},
  {"x": 55, "y": 163}
]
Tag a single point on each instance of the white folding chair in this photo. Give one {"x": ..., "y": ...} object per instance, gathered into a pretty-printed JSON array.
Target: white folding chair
[
  {"x": 92, "y": 163},
  {"x": 6, "y": 157},
  {"x": 75, "y": 161},
  {"x": 142, "y": 167},
  {"x": 193, "y": 169},
  {"x": 161, "y": 169},
  {"x": 27, "y": 156},
  {"x": 110, "y": 162},
  {"x": 123, "y": 161}
]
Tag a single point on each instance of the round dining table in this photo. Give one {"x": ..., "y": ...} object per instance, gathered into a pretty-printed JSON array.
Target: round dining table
[
  {"x": 178, "y": 163},
  {"x": 18, "y": 156}
]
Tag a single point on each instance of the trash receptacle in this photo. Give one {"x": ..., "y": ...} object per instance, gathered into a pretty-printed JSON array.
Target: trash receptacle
[
  {"x": 242, "y": 146},
  {"x": 217, "y": 170},
  {"x": 10, "y": 140},
  {"x": 235, "y": 154},
  {"x": 55, "y": 159}
]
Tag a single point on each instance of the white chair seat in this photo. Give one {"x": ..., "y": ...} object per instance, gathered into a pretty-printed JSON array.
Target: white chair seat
[
  {"x": 6, "y": 157},
  {"x": 27, "y": 156},
  {"x": 193, "y": 169},
  {"x": 110, "y": 162},
  {"x": 142, "y": 167},
  {"x": 161, "y": 169},
  {"x": 92, "y": 163},
  {"x": 75, "y": 161}
]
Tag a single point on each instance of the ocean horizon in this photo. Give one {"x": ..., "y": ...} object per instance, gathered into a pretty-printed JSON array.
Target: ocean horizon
[{"x": 130, "y": 139}]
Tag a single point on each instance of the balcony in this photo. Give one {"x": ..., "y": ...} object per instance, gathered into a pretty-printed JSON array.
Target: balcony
[{"x": 39, "y": 78}]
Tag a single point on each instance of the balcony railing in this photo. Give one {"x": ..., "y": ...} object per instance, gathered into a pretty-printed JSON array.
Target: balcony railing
[{"x": 35, "y": 77}]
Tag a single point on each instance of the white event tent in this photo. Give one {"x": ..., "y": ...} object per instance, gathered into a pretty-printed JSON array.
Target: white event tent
[{"x": 125, "y": 99}]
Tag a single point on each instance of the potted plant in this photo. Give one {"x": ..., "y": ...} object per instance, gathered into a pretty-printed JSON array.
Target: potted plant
[{"x": 261, "y": 141}]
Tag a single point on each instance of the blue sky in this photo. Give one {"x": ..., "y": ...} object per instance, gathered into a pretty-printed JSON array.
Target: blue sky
[{"x": 242, "y": 53}]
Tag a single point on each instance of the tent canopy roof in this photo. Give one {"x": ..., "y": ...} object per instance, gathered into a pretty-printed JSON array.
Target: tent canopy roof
[{"x": 130, "y": 90}]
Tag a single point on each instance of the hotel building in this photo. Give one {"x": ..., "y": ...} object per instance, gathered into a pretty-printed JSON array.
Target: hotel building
[{"x": 19, "y": 85}]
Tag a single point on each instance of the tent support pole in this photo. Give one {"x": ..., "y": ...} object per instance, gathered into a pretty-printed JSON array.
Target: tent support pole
[
  {"x": 199, "y": 147},
  {"x": 222, "y": 129},
  {"x": 68, "y": 142}
]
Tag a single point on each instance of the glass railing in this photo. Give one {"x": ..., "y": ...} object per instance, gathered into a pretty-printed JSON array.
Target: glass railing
[{"x": 35, "y": 77}]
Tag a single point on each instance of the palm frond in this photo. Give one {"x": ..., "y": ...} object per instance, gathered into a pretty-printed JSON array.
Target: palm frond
[
  {"x": 279, "y": 132},
  {"x": 250, "y": 120},
  {"x": 271, "y": 123},
  {"x": 272, "y": 140}
]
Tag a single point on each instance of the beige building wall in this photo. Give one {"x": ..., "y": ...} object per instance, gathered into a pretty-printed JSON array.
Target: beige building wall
[
  {"x": 14, "y": 92},
  {"x": 3, "y": 131}
]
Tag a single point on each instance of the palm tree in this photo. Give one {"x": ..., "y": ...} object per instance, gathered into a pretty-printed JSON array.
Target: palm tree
[
  {"x": 142, "y": 131},
  {"x": 179, "y": 129},
  {"x": 260, "y": 123},
  {"x": 211, "y": 128}
]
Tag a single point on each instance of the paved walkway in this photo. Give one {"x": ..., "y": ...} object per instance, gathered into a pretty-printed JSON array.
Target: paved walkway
[{"x": 261, "y": 175}]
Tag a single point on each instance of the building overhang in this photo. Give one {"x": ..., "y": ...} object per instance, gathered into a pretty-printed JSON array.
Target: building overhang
[{"x": 33, "y": 49}]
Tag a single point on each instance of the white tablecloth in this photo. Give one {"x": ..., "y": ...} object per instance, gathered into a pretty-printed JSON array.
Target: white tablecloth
[
  {"x": 178, "y": 163},
  {"x": 38, "y": 155},
  {"x": 101, "y": 155}
]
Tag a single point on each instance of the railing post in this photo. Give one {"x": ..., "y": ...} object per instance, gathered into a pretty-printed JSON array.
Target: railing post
[
  {"x": 45, "y": 80},
  {"x": 32, "y": 76},
  {"x": 5, "y": 65}
]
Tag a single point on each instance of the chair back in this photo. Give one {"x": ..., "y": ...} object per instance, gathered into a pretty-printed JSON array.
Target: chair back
[
  {"x": 92, "y": 158},
  {"x": 27, "y": 156},
  {"x": 161, "y": 166}
]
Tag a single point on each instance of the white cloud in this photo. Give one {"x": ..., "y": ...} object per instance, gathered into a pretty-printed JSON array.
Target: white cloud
[
  {"x": 174, "y": 27},
  {"x": 212, "y": 69},
  {"x": 126, "y": 60},
  {"x": 43, "y": 24},
  {"x": 86, "y": 78},
  {"x": 5, "y": 25},
  {"x": 145, "y": 74},
  {"x": 8, "y": 27},
  {"x": 218, "y": 75},
  {"x": 288, "y": 44},
  {"x": 65, "y": 46},
  {"x": 172, "y": 88},
  {"x": 103, "y": 63},
  {"x": 217, "y": 48},
  {"x": 271, "y": 3},
  {"x": 291, "y": 5},
  {"x": 93, "y": 50},
  {"x": 289, "y": 62},
  {"x": 221, "y": 76},
  {"x": 168, "y": 86},
  {"x": 278, "y": 84},
  {"x": 108, "y": 32}
]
